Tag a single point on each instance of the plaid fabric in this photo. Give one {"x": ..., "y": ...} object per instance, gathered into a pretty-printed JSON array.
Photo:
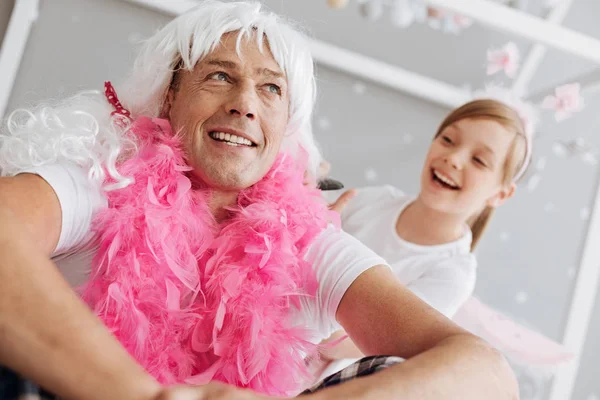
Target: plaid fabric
[
  {"x": 363, "y": 367},
  {"x": 13, "y": 387}
]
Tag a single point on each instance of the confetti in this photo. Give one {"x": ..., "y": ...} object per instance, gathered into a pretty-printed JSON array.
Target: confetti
[
  {"x": 323, "y": 123},
  {"x": 540, "y": 164},
  {"x": 521, "y": 297},
  {"x": 533, "y": 182},
  {"x": 370, "y": 174},
  {"x": 359, "y": 88}
]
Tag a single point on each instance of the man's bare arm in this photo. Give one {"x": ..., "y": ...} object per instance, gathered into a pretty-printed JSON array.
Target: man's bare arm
[
  {"x": 443, "y": 360},
  {"x": 46, "y": 332}
]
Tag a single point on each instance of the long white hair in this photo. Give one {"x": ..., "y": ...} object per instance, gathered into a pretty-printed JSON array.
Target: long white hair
[{"x": 81, "y": 130}]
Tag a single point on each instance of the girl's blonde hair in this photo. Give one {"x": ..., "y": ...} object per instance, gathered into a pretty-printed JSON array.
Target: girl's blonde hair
[{"x": 507, "y": 117}]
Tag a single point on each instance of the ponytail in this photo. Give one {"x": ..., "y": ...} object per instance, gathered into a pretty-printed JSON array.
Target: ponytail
[{"x": 479, "y": 223}]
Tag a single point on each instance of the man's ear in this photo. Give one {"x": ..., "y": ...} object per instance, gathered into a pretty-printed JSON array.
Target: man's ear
[
  {"x": 505, "y": 193},
  {"x": 166, "y": 107}
]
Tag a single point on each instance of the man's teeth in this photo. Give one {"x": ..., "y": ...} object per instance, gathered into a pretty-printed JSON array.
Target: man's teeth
[
  {"x": 230, "y": 138},
  {"x": 445, "y": 180}
]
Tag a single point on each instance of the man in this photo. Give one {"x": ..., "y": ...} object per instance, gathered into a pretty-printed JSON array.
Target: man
[{"x": 236, "y": 86}]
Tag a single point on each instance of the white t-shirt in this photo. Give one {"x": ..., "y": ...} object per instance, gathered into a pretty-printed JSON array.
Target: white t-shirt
[
  {"x": 441, "y": 275},
  {"x": 337, "y": 257}
]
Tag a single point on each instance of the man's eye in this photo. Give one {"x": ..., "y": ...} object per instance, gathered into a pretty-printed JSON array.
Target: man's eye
[
  {"x": 220, "y": 76},
  {"x": 274, "y": 88}
]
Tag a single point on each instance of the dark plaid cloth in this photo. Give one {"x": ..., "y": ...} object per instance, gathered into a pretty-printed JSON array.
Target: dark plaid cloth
[
  {"x": 363, "y": 367},
  {"x": 13, "y": 387}
]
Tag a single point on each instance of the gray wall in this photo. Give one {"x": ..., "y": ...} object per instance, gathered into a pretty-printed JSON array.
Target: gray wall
[
  {"x": 372, "y": 135},
  {"x": 78, "y": 44}
]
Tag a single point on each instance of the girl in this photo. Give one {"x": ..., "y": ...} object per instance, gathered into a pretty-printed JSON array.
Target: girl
[{"x": 478, "y": 154}]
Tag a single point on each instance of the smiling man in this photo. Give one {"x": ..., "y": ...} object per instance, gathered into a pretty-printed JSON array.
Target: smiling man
[
  {"x": 199, "y": 256},
  {"x": 231, "y": 150}
]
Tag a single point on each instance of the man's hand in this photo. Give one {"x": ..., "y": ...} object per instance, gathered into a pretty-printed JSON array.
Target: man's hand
[{"x": 342, "y": 201}]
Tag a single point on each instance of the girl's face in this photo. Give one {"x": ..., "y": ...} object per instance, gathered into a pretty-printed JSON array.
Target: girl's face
[{"x": 464, "y": 168}]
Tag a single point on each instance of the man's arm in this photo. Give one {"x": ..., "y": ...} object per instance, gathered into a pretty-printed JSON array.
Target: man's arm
[
  {"x": 46, "y": 333},
  {"x": 444, "y": 361},
  {"x": 445, "y": 287}
]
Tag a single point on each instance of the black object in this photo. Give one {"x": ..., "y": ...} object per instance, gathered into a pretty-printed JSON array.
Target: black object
[{"x": 329, "y": 184}]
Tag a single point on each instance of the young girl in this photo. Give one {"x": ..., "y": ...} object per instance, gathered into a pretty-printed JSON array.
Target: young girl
[{"x": 478, "y": 154}]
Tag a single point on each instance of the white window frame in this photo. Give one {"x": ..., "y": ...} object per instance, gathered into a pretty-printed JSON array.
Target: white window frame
[{"x": 24, "y": 14}]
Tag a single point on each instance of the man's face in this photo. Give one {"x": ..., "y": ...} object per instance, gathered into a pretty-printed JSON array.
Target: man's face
[{"x": 231, "y": 113}]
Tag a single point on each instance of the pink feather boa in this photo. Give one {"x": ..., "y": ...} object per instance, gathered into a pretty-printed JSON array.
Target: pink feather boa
[{"x": 194, "y": 301}]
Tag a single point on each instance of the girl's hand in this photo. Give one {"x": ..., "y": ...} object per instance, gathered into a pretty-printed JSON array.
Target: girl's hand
[{"x": 342, "y": 201}]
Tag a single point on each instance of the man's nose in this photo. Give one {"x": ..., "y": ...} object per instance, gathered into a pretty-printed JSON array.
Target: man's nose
[{"x": 244, "y": 102}]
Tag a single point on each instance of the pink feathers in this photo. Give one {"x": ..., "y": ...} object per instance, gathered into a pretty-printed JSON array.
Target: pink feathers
[{"x": 193, "y": 301}]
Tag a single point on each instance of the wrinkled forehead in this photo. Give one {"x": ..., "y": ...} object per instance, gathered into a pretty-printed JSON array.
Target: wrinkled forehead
[{"x": 237, "y": 49}]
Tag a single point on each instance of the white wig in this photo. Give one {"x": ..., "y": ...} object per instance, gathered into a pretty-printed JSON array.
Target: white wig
[{"x": 82, "y": 131}]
